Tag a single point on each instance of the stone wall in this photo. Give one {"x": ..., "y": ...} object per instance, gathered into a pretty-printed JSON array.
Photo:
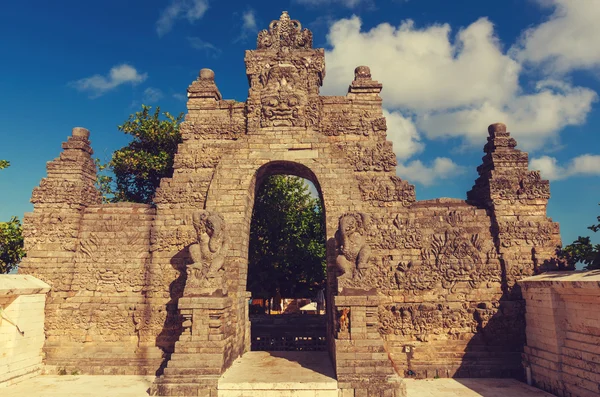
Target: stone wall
[
  {"x": 22, "y": 301},
  {"x": 563, "y": 332}
]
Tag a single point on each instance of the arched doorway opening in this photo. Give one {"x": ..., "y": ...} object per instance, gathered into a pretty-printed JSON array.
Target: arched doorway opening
[{"x": 287, "y": 268}]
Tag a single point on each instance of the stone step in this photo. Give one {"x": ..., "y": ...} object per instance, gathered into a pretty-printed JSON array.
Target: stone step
[
  {"x": 278, "y": 393},
  {"x": 280, "y": 374}
]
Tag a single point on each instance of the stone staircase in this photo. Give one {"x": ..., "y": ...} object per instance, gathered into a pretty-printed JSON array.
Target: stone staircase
[{"x": 280, "y": 374}]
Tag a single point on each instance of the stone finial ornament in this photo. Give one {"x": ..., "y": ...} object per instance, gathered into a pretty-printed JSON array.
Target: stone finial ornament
[
  {"x": 204, "y": 86},
  {"x": 81, "y": 132},
  {"x": 284, "y": 33},
  {"x": 208, "y": 254},
  {"x": 363, "y": 83},
  {"x": 351, "y": 240},
  {"x": 362, "y": 73}
]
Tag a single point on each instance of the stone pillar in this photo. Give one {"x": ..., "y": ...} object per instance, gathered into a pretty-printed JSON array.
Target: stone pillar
[
  {"x": 201, "y": 354},
  {"x": 363, "y": 366}
]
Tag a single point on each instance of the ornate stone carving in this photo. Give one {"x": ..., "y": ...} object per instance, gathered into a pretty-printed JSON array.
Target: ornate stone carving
[
  {"x": 188, "y": 194},
  {"x": 50, "y": 228},
  {"x": 111, "y": 268},
  {"x": 62, "y": 191},
  {"x": 347, "y": 121},
  {"x": 353, "y": 250},
  {"x": 379, "y": 157},
  {"x": 526, "y": 232},
  {"x": 213, "y": 127},
  {"x": 405, "y": 233},
  {"x": 284, "y": 34},
  {"x": 383, "y": 192},
  {"x": 172, "y": 239},
  {"x": 457, "y": 256},
  {"x": 207, "y": 157},
  {"x": 205, "y": 273},
  {"x": 532, "y": 186},
  {"x": 313, "y": 113},
  {"x": 501, "y": 323},
  {"x": 420, "y": 321}
]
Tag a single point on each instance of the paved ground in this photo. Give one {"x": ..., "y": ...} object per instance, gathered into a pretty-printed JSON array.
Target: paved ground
[
  {"x": 80, "y": 386},
  {"x": 136, "y": 386},
  {"x": 280, "y": 374},
  {"x": 471, "y": 388},
  {"x": 280, "y": 371}
]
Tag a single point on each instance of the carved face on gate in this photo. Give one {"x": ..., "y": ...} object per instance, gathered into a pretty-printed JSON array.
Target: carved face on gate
[
  {"x": 281, "y": 97},
  {"x": 280, "y": 110}
]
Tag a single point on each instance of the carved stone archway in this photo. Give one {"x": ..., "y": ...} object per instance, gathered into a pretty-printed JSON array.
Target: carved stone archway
[{"x": 422, "y": 279}]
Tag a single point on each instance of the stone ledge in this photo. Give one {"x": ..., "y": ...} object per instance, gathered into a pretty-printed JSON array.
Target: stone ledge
[
  {"x": 568, "y": 279},
  {"x": 21, "y": 284}
]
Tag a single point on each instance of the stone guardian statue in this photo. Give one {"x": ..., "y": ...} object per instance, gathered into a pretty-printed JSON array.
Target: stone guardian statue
[
  {"x": 353, "y": 250},
  {"x": 205, "y": 273}
]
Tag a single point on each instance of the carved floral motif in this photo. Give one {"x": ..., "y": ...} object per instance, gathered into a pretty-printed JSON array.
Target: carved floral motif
[
  {"x": 379, "y": 157},
  {"x": 351, "y": 122},
  {"x": 284, "y": 33},
  {"x": 62, "y": 191},
  {"x": 420, "y": 321},
  {"x": 112, "y": 267},
  {"x": 383, "y": 192},
  {"x": 213, "y": 127},
  {"x": 202, "y": 158}
]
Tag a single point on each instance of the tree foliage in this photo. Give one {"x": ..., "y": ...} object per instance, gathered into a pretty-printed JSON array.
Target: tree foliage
[
  {"x": 139, "y": 166},
  {"x": 11, "y": 244},
  {"x": 287, "y": 240},
  {"x": 583, "y": 251},
  {"x": 11, "y": 239}
]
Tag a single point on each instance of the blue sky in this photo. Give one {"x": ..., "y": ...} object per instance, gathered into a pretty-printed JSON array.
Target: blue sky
[{"x": 448, "y": 71}]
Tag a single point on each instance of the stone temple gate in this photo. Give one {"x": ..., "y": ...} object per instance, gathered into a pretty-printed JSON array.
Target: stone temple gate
[{"x": 416, "y": 288}]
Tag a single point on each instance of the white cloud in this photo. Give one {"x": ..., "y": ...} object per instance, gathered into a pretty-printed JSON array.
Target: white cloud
[
  {"x": 199, "y": 44},
  {"x": 180, "y": 97},
  {"x": 421, "y": 68},
  {"x": 567, "y": 41},
  {"x": 441, "y": 168},
  {"x": 98, "y": 85},
  {"x": 535, "y": 119},
  {"x": 585, "y": 164},
  {"x": 249, "y": 21},
  {"x": 403, "y": 133},
  {"x": 152, "y": 95},
  {"x": 192, "y": 10},
  {"x": 453, "y": 88},
  {"x": 346, "y": 3}
]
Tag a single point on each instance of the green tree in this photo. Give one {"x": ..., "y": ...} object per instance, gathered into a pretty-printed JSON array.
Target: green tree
[
  {"x": 11, "y": 239},
  {"x": 583, "y": 251},
  {"x": 11, "y": 244},
  {"x": 139, "y": 166},
  {"x": 287, "y": 239}
]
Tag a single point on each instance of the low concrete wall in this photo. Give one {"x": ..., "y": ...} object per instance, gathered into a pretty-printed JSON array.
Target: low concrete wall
[
  {"x": 22, "y": 300},
  {"x": 563, "y": 332}
]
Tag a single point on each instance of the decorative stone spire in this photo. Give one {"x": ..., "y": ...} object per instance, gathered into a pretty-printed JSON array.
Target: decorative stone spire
[
  {"x": 71, "y": 177},
  {"x": 284, "y": 33},
  {"x": 204, "y": 86},
  {"x": 363, "y": 83}
]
